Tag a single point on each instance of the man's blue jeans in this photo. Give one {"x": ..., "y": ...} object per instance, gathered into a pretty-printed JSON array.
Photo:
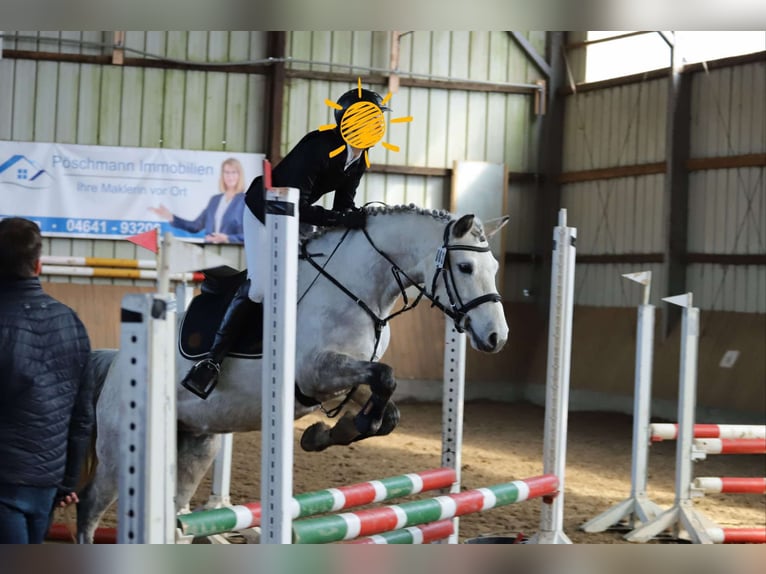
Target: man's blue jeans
[{"x": 25, "y": 513}]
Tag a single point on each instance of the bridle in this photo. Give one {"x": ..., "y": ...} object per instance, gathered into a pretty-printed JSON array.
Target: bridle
[{"x": 456, "y": 309}]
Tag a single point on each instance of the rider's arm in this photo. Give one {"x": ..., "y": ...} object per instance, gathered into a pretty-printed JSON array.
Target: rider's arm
[{"x": 346, "y": 192}]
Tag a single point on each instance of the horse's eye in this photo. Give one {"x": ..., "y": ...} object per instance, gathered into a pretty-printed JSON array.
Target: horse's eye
[{"x": 465, "y": 268}]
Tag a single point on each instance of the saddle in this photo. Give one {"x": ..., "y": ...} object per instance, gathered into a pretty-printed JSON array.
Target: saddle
[{"x": 206, "y": 311}]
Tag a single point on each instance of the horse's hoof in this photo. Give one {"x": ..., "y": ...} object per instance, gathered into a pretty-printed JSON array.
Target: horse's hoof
[
  {"x": 390, "y": 420},
  {"x": 316, "y": 437}
]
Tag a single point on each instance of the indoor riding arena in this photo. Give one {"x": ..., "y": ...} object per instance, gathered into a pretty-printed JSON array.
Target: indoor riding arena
[{"x": 625, "y": 405}]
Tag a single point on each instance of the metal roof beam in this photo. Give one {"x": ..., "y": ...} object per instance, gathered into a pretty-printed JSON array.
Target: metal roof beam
[{"x": 531, "y": 53}]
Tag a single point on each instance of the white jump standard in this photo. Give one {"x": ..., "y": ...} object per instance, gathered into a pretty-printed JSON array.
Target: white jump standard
[
  {"x": 557, "y": 379},
  {"x": 682, "y": 513},
  {"x": 278, "y": 395},
  {"x": 638, "y": 508}
]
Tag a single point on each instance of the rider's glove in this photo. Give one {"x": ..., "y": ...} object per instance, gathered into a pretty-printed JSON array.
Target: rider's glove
[{"x": 353, "y": 219}]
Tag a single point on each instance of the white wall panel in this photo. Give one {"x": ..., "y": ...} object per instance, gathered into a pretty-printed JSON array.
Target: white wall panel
[
  {"x": 727, "y": 207},
  {"x": 130, "y": 108},
  {"x": 7, "y": 71},
  {"x": 602, "y": 285},
  {"x": 447, "y": 125},
  {"x": 625, "y": 125}
]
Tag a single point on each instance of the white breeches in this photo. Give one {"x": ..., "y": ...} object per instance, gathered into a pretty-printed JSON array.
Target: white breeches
[{"x": 256, "y": 248}]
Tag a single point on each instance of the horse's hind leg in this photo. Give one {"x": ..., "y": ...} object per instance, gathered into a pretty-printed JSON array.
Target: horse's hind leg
[
  {"x": 388, "y": 423},
  {"x": 99, "y": 494},
  {"x": 195, "y": 455},
  {"x": 319, "y": 436}
]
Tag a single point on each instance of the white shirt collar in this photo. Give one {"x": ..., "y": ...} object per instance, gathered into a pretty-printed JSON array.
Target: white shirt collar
[{"x": 350, "y": 159}]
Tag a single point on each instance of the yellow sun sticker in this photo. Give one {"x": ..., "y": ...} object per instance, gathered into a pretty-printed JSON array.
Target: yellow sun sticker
[{"x": 362, "y": 125}]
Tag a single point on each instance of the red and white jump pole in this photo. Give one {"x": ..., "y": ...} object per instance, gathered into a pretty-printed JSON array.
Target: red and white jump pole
[
  {"x": 705, "y": 446},
  {"x": 729, "y": 485},
  {"x": 350, "y": 525},
  {"x": 737, "y": 535},
  {"x": 669, "y": 431}
]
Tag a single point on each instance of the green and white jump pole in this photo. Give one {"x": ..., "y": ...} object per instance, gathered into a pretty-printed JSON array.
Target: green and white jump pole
[
  {"x": 210, "y": 522},
  {"x": 350, "y": 525}
]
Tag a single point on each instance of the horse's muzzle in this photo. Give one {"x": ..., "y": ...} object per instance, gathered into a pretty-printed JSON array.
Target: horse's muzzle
[{"x": 492, "y": 344}]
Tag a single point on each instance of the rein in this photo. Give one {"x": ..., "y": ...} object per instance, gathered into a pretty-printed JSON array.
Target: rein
[
  {"x": 456, "y": 311},
  {"x": 378, "y": 322}
]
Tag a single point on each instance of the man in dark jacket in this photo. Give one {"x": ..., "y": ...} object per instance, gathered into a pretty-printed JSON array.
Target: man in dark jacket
[
  {"x": 322, "y": 162},
  {"x": 46, "y": 409}
]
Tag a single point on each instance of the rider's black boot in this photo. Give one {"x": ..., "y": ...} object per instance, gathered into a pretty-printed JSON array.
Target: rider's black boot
[{"x": 203, "y": 376}]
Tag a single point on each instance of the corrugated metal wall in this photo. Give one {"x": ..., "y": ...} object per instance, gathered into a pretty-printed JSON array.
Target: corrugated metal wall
[
  {"x": 130, "y": 106},
  {"x": 448, "y": 125},
  {"x": 728, "y": 206},
  {"x": 625, "y": 125},
  {"x": 606, "y": 128},
  {"x": 616, "y": 126}
]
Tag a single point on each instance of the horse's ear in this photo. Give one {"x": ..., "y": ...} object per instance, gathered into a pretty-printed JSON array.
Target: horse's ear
[
  {"x": 494, "y": 225},
  {"x": 463, "y": 226}
]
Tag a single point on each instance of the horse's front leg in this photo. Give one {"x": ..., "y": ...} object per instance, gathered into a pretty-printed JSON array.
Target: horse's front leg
[{"x": 338, "y": 372}]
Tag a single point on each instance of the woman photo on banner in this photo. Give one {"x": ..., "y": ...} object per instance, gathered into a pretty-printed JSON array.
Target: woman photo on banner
[{"x": 222, "y": 218}]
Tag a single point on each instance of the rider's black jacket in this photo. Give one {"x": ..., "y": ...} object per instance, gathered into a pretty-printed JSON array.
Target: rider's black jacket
[
  {"x": 309, "y": 168},
  {"x": 46, "y": 397}
]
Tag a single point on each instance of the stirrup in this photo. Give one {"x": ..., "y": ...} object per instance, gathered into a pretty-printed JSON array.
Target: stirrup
[{"x": 202, "y": 378}]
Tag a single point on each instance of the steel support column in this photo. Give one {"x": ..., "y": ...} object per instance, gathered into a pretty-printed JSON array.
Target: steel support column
[
  {"x": 550, "y": 149},
  {"x": 676, "y": 193}
]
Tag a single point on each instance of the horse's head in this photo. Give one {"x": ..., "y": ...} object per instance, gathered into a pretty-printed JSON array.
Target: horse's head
[{"x": 464, "y": 282}]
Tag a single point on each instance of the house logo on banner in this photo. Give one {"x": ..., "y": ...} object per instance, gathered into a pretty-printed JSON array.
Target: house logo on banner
[
  {"x": 21, "y": 171},
  {"x": 111, "y": 192}
]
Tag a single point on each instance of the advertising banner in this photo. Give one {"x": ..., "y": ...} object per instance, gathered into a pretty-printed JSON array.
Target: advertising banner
[{"x": 112, "y": 192}]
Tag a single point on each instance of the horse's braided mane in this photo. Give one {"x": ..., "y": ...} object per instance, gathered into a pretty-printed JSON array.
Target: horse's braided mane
[{"x": 374, "y": 210}]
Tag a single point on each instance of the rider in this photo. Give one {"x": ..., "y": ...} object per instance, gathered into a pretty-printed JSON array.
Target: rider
[{"x": 309, "y": 168}]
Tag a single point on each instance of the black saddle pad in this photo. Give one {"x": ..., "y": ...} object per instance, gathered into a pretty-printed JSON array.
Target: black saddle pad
[{"x": 204, "y": 315}]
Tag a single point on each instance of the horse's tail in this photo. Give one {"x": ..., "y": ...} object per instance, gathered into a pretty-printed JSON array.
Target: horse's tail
[{"x": 98, "y": 368}]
